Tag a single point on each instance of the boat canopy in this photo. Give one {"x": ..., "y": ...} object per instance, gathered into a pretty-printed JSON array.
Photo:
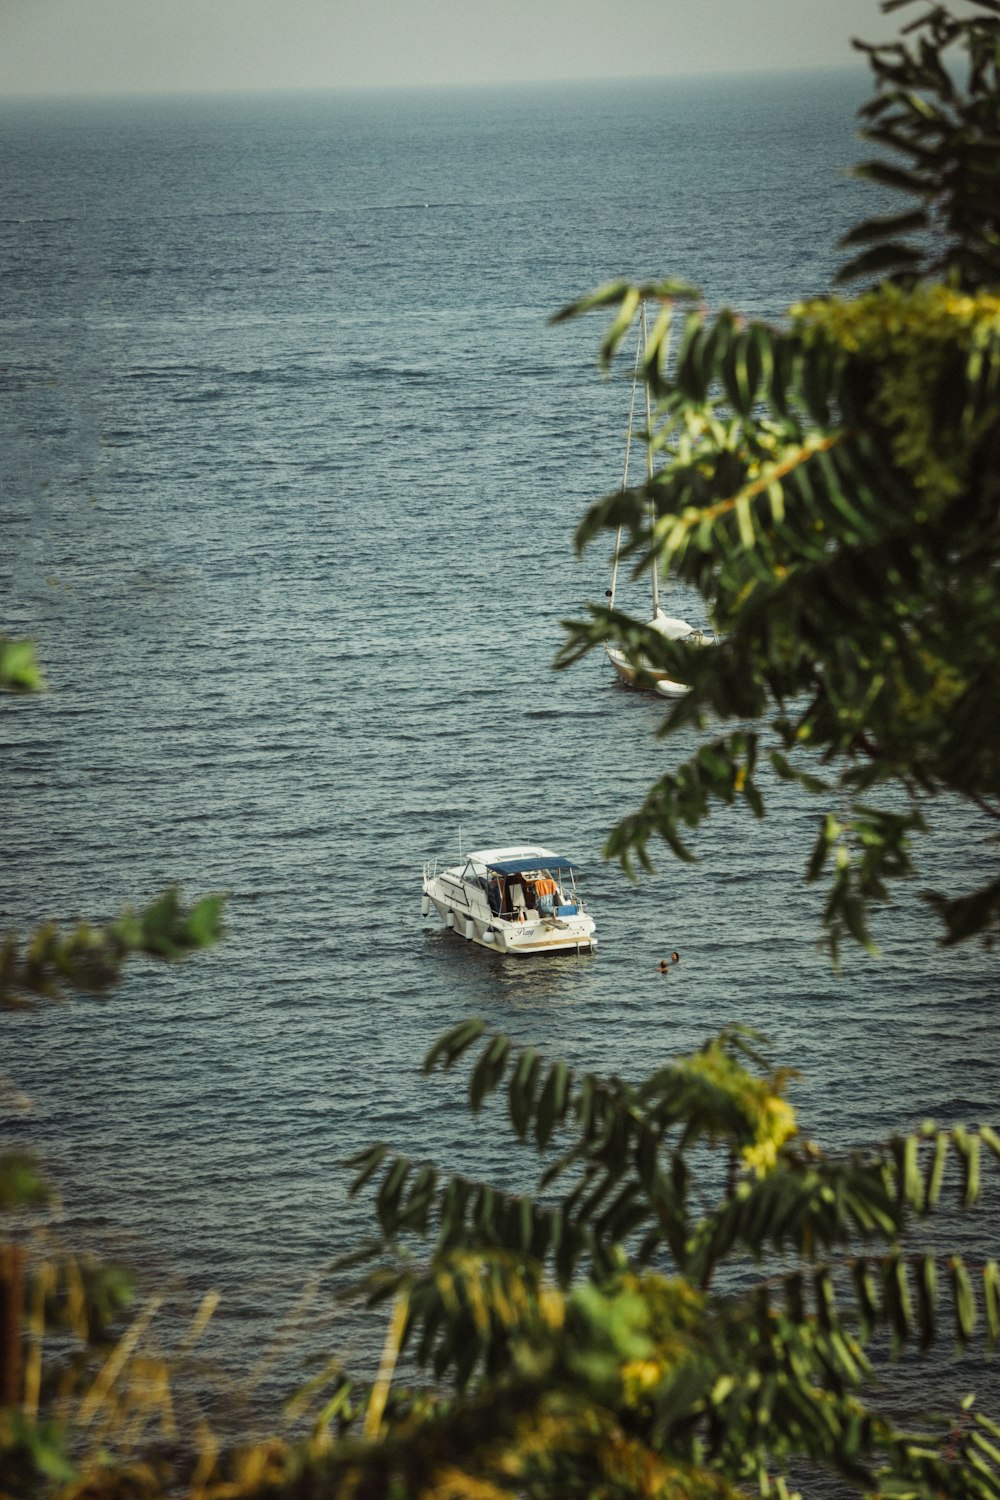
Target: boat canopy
[{"x": 527, "y": 862}]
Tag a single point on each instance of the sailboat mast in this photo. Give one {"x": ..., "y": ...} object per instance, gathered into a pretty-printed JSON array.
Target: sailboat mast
[
  {"x": 649, "y": 469},
  {"x": 639, "y": 348}
]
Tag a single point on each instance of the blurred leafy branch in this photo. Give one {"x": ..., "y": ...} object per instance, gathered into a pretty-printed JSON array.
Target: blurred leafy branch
[
  {"x": 91, "y": 958},
  {"x": 685, "y": 1306},
  {"x": 74, "y": 1377},
  {"x": 832, "y": 489}
]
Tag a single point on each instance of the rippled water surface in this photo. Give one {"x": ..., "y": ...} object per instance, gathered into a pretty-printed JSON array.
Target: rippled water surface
[{"x": 289, "y": 470}]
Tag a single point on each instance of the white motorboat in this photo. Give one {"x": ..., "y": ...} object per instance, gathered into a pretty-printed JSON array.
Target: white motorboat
[
  {"x": 673, "y": 629},
  {"x": 518, "y": 900}
]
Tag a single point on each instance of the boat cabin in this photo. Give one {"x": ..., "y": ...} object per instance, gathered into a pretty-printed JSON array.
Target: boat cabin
[{"x": 515, "y": 887}]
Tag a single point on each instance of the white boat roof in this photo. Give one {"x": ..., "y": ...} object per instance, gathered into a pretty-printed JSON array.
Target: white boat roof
[
  {"x": 513, "y": 859},
  {"x": 513, "y": 851}
]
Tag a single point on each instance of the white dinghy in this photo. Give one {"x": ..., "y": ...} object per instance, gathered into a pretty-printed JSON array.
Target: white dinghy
[{"x": 519, "y": 900}]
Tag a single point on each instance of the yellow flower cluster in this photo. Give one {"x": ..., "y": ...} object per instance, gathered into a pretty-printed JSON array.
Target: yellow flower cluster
[
  {"x": 911, "y": 340},
  {"x": 674, "y": 1310},
  {"x": 775, "y": 1124},
  {"x": 759, "y": 1100}
]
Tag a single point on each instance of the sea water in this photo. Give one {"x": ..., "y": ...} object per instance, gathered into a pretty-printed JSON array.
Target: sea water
[{"x": 290, "y": 464}]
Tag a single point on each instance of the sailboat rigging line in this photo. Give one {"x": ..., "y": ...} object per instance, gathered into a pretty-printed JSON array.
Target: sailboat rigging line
[
  {"x": 649, "y": 474},
  {"x": 639, "y": 346}
]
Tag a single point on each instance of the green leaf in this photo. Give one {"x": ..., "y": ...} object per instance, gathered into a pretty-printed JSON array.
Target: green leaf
[
  {"x": 935, "y": 1176},
  {"x": 552, "y": 1104},
  {"x": 619, "y": 326},
  {"x": 585, "y": 1106},
  {"x": 646, "y": 1149},
  {"x": 19, "y": 669},
  {"x": 964, "y": 1299},
  {"x": 454, "y": 1042},
  {"x": 926, "y": 1280},
  {"x": 369, "y": 1162},
  {"x": 911, "y": 1180},
  {"x": 748, "y": 370},
  {"x": 897, "y": 1298},
  {"x": 204, "y": 923},
  {"x": 826, "y": 1309},
  {"x": 21, "y": 1184},
  {"x": 886, "y": 175},
  {"x": 718, "y": 344},
  {"x": 610, "y": 294},
  {"x": 419, "y": 1200},
  {"x": 521, "y": 1090},
  {"x": 788, "y": 772},
  {"x": 895, "y": 257},
  {"x": 991, "y": 1301},
  {"x": 913, "y": 221},
  {"x": 829, "y": 833},
  {"x": 614, "y": 293},
  {"x": 968, "y": 1149},
  {"x": 744, "y": 520},
  {"x": 964, "y": 916},
  {"x": 387, "y": 1201},
  {"x": 489, "y": 1070}
]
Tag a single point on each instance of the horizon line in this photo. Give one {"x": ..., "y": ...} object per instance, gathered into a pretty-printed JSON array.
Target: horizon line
[{"x": 215, "y": 91}]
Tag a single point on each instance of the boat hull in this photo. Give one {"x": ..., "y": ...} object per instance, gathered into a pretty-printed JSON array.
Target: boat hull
[{"x": 656, "y": 682}]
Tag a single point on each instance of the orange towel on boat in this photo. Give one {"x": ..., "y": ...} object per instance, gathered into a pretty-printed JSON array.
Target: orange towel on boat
[{"x": 544, "y": 887}]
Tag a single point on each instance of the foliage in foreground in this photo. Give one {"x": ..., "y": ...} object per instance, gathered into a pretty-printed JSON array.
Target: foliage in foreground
[
  {"x": 696, "y": 1300},
  {"x": 684, "y": 1307},
  {"x": 91, "y": 958},
  {"x": 71, "y": 1373},
  {"x": 832, "y": 489}
]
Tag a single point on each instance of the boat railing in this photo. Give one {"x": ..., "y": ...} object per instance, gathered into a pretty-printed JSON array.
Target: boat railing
[{"x": 570, "y": 904}]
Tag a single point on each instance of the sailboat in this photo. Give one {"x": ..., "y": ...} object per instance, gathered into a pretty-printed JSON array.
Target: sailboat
[{"x": 649, "y": 678}]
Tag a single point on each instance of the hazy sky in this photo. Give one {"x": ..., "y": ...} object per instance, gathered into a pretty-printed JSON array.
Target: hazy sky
[{"x": 138, "y": 46}]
